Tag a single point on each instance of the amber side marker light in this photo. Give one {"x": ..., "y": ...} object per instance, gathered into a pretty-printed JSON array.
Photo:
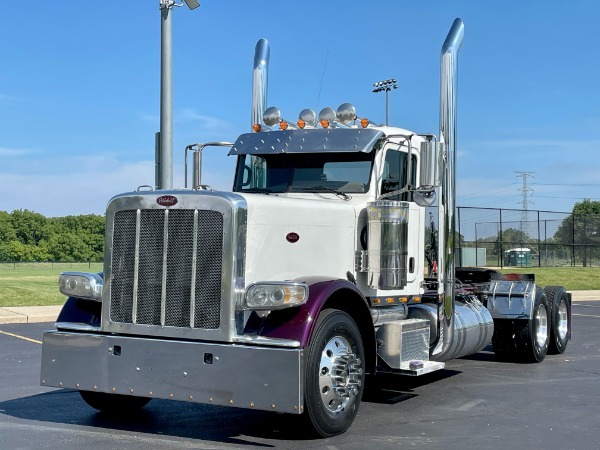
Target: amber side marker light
[
  {"x": 364, "y": 123},
  {"x": 256, "y": 127},
  {"x": 301, "y": 124},
  {"x": 325, "y": 123},
  {"x": 283, "y": 125}
]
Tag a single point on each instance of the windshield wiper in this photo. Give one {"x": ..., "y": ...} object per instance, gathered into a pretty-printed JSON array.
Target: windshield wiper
[
  {"x": 257, "y": 190},
  {"x": 316, "y": 189}
]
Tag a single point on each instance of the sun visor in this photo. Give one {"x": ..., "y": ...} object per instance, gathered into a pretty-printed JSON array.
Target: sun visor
[{"x": 306, "y": 141}]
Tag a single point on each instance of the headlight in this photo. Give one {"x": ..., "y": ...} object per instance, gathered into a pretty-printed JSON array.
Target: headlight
[
  {"x": 81, "y": 285},
  {"x": 275, "y": 295}
]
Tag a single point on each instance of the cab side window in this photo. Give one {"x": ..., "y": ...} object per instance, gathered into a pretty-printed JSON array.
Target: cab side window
[{"x": 394, "y": 174}]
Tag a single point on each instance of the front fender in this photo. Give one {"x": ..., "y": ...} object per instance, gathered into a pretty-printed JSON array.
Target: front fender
[
  {"x": 298, "y": 323},
  {"x": 80, "y": 311}
]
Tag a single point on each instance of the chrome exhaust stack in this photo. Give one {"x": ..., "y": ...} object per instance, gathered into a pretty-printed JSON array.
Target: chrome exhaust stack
[
  {"x": 447, "y": 222},
  {"x": 259, "y": 80}
]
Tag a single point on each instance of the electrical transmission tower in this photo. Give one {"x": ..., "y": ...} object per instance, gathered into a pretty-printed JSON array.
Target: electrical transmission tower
[{"x": 526, "y": 192}]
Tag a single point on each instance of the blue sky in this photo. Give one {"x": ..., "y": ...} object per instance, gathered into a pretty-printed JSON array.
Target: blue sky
[{"x": 79, "y": 90}]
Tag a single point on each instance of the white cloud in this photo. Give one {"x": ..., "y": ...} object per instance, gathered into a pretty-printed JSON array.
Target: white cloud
[
  {"x": 85, "y": 190},
  {"x": 533, "y": 142},
  {"x": 201, "y": 122},
  {"x": 148, "y": 117},
  {"x": 85, "y": 184},
  {"x": 6, "y": 151},
  {"x": 205, "y": 124},
  {"x": 7, "y": 98}
]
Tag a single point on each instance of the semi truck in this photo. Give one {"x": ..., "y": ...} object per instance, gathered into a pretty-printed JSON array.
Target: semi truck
[{"x": 285, "y": 293}]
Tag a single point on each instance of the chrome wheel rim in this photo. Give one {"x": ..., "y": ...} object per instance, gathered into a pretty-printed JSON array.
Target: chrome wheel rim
[
  {"x": 541, "y": 320},
  {"x": 563, "y": 320},
  {"x": 340, "y": 374}
]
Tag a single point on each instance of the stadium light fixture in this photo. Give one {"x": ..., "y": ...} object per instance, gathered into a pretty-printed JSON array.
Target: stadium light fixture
[
  {"x": 192, "y": 4},
  {"x": 385, "y": 86}
]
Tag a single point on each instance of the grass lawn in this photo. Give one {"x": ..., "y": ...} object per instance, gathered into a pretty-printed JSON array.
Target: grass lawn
[
  {"x": 36, "y": 284},
  {"x": 572, "y": 278}
]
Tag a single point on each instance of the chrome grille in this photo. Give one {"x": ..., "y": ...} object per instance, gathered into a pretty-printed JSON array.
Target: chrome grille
[{"x": 166, "y": 268}]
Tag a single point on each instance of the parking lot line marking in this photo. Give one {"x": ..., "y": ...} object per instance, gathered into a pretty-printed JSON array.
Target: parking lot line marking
[
  {"x": 585, "y": 315},
  {"x": 35, "y": 341}
]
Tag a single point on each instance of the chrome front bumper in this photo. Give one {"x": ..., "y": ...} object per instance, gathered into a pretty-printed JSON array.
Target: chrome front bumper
[{"x": 242, "y": 376}]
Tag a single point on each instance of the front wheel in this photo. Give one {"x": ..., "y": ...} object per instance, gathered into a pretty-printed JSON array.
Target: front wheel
[
  {"x": 334, "y": 374},
  {"x": 113, "y": 403}
]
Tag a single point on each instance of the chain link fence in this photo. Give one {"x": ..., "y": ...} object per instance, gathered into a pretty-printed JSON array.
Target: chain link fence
[{"x": 490, "y": 237}]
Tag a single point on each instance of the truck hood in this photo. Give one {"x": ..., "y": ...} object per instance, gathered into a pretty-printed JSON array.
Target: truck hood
[{"x": 291, "y": 237}]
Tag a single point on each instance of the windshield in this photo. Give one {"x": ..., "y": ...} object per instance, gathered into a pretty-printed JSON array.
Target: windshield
[{"x": 304, "y": 172}]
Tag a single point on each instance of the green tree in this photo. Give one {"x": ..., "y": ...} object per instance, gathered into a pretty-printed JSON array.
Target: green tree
[
  {"x": 7, "y": 230},
  {"x": 29, "y": 236},
  {"x": 510, "y": 238},
  {"x": 582, "y": 230},
  {"x": 17, "y": 251},
  {"x": 30, "y": 227},
  {"x": 89, "y": 230},
  {"x": 69, "y": 247}
]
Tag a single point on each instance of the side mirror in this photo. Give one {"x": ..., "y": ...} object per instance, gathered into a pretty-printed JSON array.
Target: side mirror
[
  {"x": 424, "y": 196},
  {"x": 430, "y": 156}
]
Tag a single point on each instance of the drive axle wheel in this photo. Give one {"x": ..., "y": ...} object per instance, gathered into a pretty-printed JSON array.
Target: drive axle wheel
[
  {"x": 334, "y": 374},
  {"x": 520, "y": 340},
  {"x": 533, "y": 335},
  {"x": 559, "y": 320},
  {"x": 114, "y": 403}
]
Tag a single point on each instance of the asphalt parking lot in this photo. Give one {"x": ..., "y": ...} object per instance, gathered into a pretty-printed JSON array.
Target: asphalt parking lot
[{"x": 475, "y": 402}]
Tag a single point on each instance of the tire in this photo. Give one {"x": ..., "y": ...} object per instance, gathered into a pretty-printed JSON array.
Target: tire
[
  {"x": 524, "y": 340},
  {"x": 533, "y": 336},
  {"x": 114, "y": 403},
  {"x": 560, "y": 319},
  {"x": 334, "y": 374}
]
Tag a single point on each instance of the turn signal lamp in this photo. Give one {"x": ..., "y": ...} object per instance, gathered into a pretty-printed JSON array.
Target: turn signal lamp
[
  {"x": 256, "y": 127},
  {"x": 275, "y": 295},
  {"x": 81, "y": 285}
]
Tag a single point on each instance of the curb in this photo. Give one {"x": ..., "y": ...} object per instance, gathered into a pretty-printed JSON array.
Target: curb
[{"x": 29, "y": 314}]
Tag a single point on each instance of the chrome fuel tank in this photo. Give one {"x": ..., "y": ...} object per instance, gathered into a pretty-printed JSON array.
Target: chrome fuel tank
[{"x": 473, "y": 327}]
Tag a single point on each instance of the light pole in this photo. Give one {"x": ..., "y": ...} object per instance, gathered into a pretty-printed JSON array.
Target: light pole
[
  {"x": 164, "y": 141},
  {"x": 385, "y": 86}
]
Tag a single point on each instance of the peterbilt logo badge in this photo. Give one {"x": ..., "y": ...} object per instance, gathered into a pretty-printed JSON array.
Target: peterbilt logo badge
[
  {"x": 292, "y": 237},
  {"x": 166, "y": 200}
]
